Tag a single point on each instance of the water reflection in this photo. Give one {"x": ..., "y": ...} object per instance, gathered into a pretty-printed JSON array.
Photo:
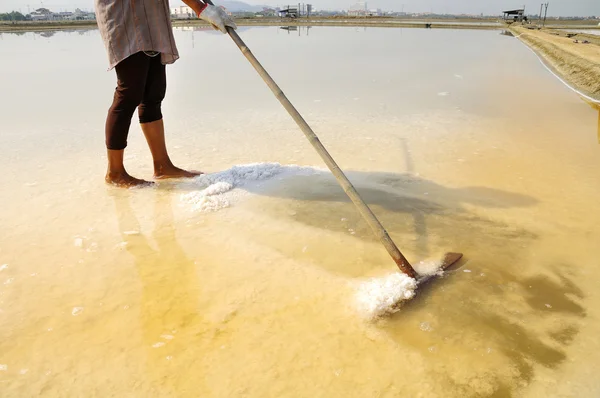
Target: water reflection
[
  {"x": 50, "y": 32},
  {"x": 170, "y": 290},
  {"x": 300, "y": 29}
]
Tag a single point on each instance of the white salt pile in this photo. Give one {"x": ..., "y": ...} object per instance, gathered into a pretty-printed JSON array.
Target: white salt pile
[
  {"x": 215, "y": 190},
  {"x": 210, "y": 197},
  {"x": 377, "y": 297}
]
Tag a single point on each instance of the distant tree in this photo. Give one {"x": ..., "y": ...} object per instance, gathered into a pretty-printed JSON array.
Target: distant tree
[{"x": 12, "y": 16}]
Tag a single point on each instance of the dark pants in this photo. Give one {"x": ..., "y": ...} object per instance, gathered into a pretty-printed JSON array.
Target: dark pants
[{"x": 141, "y": 84}]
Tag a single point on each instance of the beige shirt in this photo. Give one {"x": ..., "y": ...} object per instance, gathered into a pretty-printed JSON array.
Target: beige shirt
[{"x": 131, "y": 26}]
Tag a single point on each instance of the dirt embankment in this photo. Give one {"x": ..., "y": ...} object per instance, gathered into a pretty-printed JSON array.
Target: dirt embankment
[{"x": 577, "y": 62}]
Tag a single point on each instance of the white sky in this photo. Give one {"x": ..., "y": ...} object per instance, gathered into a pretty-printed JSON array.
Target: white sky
[{"x": 488, "y": 7}]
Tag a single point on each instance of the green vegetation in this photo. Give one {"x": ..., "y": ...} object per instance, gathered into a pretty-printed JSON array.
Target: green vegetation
[{"x": 13, "y": 16}]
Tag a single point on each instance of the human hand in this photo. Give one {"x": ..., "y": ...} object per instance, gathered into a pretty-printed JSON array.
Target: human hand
[{"x": 217, "y": 17}]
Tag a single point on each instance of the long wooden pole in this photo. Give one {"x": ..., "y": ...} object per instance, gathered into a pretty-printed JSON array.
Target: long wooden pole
[{"x": 347, "y": 186}]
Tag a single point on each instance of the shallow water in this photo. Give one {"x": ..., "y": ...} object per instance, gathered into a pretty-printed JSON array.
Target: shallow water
[
  {"x": 460, "y": 140},
  {"x": 588, "y": 31}
]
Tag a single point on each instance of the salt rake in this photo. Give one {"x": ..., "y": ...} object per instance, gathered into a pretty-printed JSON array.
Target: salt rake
[{"x": 376, "y": 226}]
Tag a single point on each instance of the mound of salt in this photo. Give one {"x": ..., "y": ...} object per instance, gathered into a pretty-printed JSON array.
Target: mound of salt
[
  {"x": 377, "y": 297},
  {"x": 217, "y": 190},
  {"x": 211, "y": 198}
]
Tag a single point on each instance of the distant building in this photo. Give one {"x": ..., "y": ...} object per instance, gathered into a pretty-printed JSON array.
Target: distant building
[
  {"x": 290, "y": 12},
  {"x": 79, "y": 15},
  {"x": 44, "y": 14},
  {"x": 515, "y": 15},
  {"x": 62, "y": 16},
  {"x": 359, "y": 9},
  {"x": 183, "y": 12}
]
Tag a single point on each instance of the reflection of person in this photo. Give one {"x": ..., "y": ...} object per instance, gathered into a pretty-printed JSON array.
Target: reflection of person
[
  {"x": 170, "y": 290},
  {"x": 139, "y": 41}
]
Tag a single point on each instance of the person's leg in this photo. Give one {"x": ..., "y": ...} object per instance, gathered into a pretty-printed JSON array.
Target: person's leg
[
  {"x": 150, "y": 115},
  {"x": 131, "y": 81}
]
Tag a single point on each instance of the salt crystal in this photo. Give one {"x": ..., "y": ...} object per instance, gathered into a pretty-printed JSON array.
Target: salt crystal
[
  {"x": 467, "y": 270},
  {"x": 129, "y": 233},
  {"x": 76, "y": 311},
  {"x": 78, "y": 242},
  {"x": 425, "y": 326},
  {"x": 157, "y": 345},
  {"x": 23, "y": 371},
  {"x": 548, "y": 306},
  {"x": 3, "y": 267},
  {"x": 167, "y": 336},
  {"x": 3, "y": 367}
]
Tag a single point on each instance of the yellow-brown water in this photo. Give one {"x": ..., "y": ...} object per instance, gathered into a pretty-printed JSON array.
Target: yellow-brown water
[{"x": 460, "y": 140}]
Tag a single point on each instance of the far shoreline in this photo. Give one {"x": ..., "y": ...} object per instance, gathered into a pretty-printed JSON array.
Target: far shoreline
[
  {"x": 379, "y": 22},
  {"x": 578, "y": 69}
]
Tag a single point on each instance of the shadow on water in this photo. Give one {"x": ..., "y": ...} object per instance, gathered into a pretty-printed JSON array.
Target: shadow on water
[
  {"x": 170, "y": 289},
  {"x": 417, "y": 213},
  {"x": 413, "y": 210},
  {"x": 528, "y": 320}
]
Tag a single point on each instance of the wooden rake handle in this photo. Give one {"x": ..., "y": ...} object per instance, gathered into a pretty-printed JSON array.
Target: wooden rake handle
[{"x": 346, "y": 185}]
